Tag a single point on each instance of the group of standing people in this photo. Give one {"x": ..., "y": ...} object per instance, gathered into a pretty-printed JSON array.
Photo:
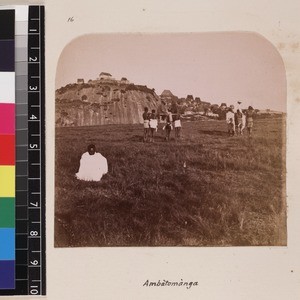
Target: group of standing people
[
  {"x": 151, "y": 125},
  {"x": 237, "y": 121}
]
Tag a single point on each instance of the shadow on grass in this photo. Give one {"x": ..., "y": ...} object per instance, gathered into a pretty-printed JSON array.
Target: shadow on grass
[
  {"x": 136, "y": 138},
  {"x": 214, "y": 132},
  {"x": 139, "y": 138}
]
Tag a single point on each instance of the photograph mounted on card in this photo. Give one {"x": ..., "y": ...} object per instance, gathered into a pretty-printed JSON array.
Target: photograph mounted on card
[{"x": 174, "y": 139}]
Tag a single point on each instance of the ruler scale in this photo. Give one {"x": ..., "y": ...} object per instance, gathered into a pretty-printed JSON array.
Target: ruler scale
[
  {"x": 30, "y": 153},
  {"x": 36, "y": 256}
]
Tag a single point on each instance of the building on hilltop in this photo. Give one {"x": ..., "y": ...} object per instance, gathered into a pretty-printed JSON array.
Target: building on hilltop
[
  {"x": 80, "y": 81},
  {"x": 105, "y": 76},
  {"x": 166, "y": 95},
  {"x": 124, "y": 80},
  {"x": 205, "y": 103}
]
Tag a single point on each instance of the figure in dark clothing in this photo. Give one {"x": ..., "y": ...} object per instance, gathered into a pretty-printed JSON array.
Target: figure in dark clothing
[
  {"x": 238, "y": 119},
  {"x": 168, "y": 127},
  {"x": 146, "y": 124}
]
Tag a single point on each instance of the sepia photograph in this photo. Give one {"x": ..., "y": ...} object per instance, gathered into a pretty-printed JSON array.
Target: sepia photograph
[{"x": 170, "y": 139}]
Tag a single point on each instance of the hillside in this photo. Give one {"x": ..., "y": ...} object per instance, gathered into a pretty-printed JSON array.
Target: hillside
[
  {"x": 102, "y": 102},
  {"x": 110, "y": 101}
]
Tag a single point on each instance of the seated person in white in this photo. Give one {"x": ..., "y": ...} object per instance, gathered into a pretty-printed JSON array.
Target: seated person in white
[{"x": 92, "y": 165}]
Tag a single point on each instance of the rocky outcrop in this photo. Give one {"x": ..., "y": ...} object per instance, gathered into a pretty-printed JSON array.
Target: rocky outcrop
[{"x": 103, "y": 102}]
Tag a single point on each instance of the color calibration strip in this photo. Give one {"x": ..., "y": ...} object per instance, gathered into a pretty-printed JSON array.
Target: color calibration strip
[
  {"x": 7, "y": 149},
  {"x": 28, "y": 154}
]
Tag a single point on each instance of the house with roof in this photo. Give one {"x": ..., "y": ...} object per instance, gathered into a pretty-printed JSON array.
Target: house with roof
[
  {"x": 166, "y": 95},
  {"x": 124, "y": 80},
  {"x": 105, "y": 76}
]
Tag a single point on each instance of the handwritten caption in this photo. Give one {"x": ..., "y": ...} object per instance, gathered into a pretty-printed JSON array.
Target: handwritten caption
[{"x": 160, "y": 283}]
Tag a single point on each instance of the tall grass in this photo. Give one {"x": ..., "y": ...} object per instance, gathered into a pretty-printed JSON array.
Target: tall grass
[{"x": 207, "y": 189}]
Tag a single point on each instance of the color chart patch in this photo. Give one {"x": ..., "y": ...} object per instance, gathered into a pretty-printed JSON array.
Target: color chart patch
[
  {"x": 7, "y": 149},
  {"x": 7, "y": 153},
  {"x": 7, "y": 212},
  {"x": 7, "y": 118},
  {"x": 7, "y": 182},
  {"x": 7, "y": 94}
]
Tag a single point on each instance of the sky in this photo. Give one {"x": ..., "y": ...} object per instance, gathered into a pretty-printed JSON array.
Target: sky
[{"x": 217, "y": 67}]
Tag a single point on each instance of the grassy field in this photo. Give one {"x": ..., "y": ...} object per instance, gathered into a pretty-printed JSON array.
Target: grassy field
[{"x": 206, "y": 190}]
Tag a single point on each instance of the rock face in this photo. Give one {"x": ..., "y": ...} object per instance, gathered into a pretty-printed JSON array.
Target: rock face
[{"x": 101, "y": 102}]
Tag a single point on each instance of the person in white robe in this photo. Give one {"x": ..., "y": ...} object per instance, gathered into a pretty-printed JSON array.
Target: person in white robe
[
  {"x": 93, "y": 165},
  {"x": 177, "y": 126},
  {"x": 230, "y": 120},
  {"x": 153, "y": 124},
  {"x": 243, "y": 122}
]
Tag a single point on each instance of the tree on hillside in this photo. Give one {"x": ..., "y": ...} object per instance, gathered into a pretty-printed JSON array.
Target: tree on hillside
[
  {"x": 174, "y": 108},
  {"x": 206, "y": 110},
  {"x": 197, "y": 100},
  {"x": 214, "y": 108}
]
